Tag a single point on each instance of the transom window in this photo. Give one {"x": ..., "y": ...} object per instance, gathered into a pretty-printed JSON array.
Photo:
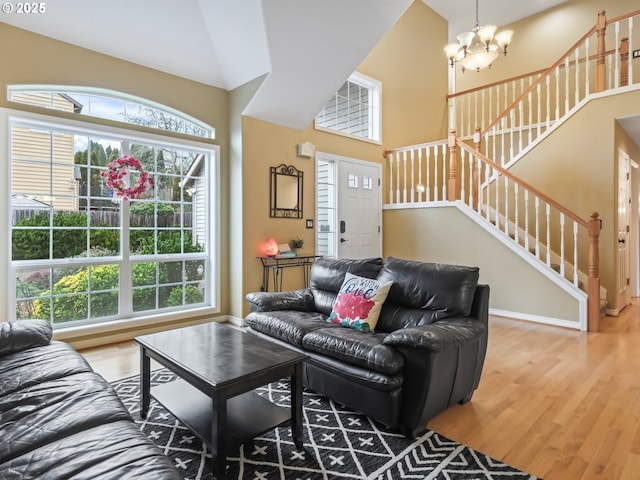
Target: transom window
[
  {"x": 79, "y": 253},
  {"x": 111, "y": 106},
  {"x": 354, "y": 110}
]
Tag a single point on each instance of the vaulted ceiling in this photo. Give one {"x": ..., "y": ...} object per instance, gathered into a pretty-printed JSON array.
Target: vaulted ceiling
[{"x": 305, "y": 48}]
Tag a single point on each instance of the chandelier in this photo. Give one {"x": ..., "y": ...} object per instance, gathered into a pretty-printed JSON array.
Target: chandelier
[{"x": 478, "y": 48}]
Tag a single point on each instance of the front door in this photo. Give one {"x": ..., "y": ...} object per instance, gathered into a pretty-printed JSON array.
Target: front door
[
  {"x": 359, "y": 223},
  {"x": 349, "y": 207}
]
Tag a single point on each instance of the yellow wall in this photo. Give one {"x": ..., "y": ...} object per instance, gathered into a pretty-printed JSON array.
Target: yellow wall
[
  {"x": 447, "y": 235},
  {"x": 414, "y": 86}
]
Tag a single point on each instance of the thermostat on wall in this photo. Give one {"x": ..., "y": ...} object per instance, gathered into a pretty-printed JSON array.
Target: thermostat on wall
[{"x": 306, "y": 149}]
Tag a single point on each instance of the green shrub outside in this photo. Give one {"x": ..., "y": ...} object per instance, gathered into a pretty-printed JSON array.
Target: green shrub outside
[{"x": 71, "y": 284}]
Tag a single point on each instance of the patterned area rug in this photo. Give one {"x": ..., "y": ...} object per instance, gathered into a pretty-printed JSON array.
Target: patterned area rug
[{"x": 338, "y": 444}]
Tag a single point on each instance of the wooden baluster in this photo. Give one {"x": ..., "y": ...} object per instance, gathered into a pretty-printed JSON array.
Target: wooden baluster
[
  {"x": 512, "y": 117},
  {"x": 428, "y": 174},
  {"x": 557, "y": 74},
  {"x": 530, "y": 99},
  {"x": 413, "y": 178},
  {"x": 593, "y": 289},
  {"x": 487, "y": 176},
  {"x": 453, "y": 167},
  {"x": 616, "y": 58},
  {"x": 496, "y": 182},
  {"x": 443, "y": 173},
  {"x": 562, "y": 244},
  {"x": 548, "y": 215},
  {"x": 548, "y": 85},
  {"x": 539, "y": 120},
  {"x": 436, "y": 176},
  {"x": 521, "y": 111},
  {"x": 537, "y": 208},
  {"x": 516, "y": 229},
  {"x": 398, "y": 178},
  {"x": 463, "y": 191},
  {"x": 391, "y": 154},
  {"x": 404, "y": 176},
  {"x": 624, "y": 62},
  {"x": 475, "y": 110},
  {"x": 476, "y": 171},
  {"x": 587, "y": 67},
  {"x": 577, "y": 73},
  {"x": 420, "y": 185},
  {"x": 566, "y": 85},
  {"x": 601, "y": 27},
  {"x": 506, "y": 205},
  {"x": 526, "y": 220},
  {"x": 468, "y": 129},
  {"x": 575, "y": 253}
]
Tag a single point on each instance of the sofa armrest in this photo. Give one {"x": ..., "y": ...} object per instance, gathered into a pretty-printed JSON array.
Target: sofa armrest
[
  {"x": 300, "y": 300},
  {"x": 23, "y": 334},
  {"x": 438, "y": 336}
]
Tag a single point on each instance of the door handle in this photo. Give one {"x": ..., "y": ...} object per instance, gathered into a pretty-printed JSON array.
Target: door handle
[
  {"x": 621, "y": 240},
  {"x": 342, "y": 240}
]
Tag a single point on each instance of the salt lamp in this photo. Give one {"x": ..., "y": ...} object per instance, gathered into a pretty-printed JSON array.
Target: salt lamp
[{"x": 271, "y": 248}]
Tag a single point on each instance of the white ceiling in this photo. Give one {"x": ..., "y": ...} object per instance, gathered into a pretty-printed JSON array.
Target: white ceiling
[{"x": 307, "y": 48}]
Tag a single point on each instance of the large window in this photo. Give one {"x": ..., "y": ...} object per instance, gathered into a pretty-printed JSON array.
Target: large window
[
  {"x": 354, "y": 110},
  {"x": 79, "y": 253}
]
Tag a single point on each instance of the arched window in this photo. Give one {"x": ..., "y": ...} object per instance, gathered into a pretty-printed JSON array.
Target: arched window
[
  {"x": 109, "y": 105},
  {"x": 82, "y": 254}
]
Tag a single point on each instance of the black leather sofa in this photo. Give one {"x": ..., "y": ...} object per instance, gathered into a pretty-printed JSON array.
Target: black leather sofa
[
  {"x": 425, "y": 354},
  {"x": 61, "y": 420}
]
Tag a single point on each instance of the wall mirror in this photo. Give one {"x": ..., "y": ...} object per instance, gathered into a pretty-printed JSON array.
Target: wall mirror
[{"x": 286, "y": 192}]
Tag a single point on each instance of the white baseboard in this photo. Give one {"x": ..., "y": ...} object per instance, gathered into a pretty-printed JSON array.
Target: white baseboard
[{"x": 556, "y": 322}]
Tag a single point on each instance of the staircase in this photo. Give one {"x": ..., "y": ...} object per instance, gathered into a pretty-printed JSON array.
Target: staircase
[{"x": 520, "y": 113}]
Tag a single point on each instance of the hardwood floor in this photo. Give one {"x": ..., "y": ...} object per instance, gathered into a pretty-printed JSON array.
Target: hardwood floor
[{"x": 556, "y": 403}]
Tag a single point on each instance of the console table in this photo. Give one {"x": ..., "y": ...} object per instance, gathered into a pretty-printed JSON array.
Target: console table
[{"x": 276, "y": 265}]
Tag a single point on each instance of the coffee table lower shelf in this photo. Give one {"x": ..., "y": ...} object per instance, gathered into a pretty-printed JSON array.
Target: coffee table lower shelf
[{"x": 248, "y": 414}]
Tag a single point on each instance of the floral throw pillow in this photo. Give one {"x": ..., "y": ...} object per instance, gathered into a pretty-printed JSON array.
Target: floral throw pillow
[{"x": 359, "y": 302}]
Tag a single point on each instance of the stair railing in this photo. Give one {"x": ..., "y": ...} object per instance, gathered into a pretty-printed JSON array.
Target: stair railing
[
  {"x": 518, "y": 111},
  {"x": 451, "y": 170}
]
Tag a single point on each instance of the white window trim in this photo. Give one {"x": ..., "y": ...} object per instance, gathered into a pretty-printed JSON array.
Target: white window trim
[
  {"x": 376, "y": 116},
  {"x": 7, "y": 296}
]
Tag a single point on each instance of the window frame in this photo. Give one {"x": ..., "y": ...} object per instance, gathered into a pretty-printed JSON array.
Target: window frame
[
  {"x": 127, "y": 317},
  {"x": 375, "y": 121}
]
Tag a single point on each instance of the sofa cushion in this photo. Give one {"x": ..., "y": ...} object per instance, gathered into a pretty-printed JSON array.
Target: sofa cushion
[
  {"x": 23, "y": 334},
  {"x": 287, "y": 325},
  {"x": 356, "y": 348},
  {"x": 327, "y": 274},
  {"x": 359, "y": 302},
  {"x": 445, "y": 290}
]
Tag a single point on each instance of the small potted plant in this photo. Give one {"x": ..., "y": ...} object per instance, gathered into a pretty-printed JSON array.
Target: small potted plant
[{"x": 296, "y": 244}]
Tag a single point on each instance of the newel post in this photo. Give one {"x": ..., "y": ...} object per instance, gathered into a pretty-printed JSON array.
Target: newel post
[
  {"x": 593, "y": 287},
  {"x": 624, "y": 62},
  {"x": 452, "y": 186},
  {"x": 601, "y": 27},
  {"x": 475, "y": 188}
]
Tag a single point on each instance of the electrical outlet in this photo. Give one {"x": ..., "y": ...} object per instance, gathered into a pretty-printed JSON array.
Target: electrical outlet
[{"x": 636, "y": 54}]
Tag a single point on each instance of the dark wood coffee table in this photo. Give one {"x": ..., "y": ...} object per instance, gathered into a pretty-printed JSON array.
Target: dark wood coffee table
[{"x": 219, "y": 366}]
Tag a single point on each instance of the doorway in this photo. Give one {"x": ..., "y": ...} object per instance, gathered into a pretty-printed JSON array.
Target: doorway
[{"x": 348, "y": 207}]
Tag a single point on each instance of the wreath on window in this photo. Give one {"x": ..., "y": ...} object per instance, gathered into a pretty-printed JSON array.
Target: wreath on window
[{"x": 118, "y": 174}]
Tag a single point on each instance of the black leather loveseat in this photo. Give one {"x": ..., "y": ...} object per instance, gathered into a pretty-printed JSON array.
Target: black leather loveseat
[
  {"x": 425, "y": 354},
  {"x": 60, "y": 420}
]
